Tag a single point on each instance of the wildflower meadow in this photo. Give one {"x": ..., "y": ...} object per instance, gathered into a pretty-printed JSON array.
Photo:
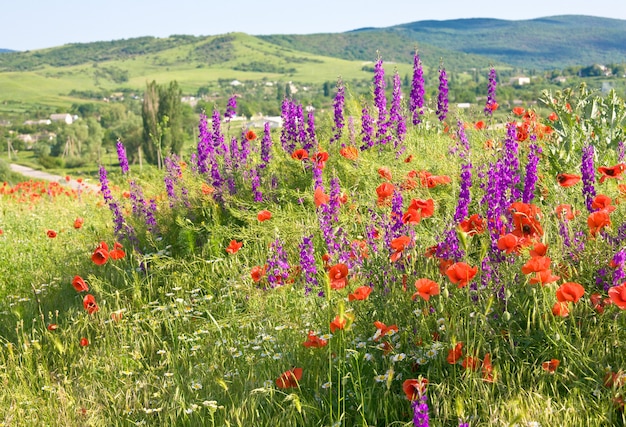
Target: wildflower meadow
[{"x": 393, "y": 262}]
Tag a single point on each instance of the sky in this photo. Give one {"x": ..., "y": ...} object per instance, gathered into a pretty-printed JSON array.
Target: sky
[{"x": 36, "y": 24}]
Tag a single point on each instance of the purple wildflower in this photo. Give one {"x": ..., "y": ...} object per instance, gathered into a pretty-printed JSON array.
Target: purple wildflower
[
  {"x": 218, "y": 137},
  {"x": 462, "y": 207},
  {"x": 416, "y": 100},
  {"x": 420, "y": 411},
  {"x": 266, "y": 147},
  {"x": 310, "y": 141},
  {"x": 307, "y": 264},
  {"x": 338, "y": 104},
  {"x": 277, "y": 265},
  {"x": 380, "y": 101},
  {"x": 205, "y": 145},
  {"x": 231, "y": 108},
  {"x": 618, "y": 274},
  {"x": 511, "y": 176},
  {"x": 442, "y": 97},
  {"x": 121, "y": 228},
  {"x": 588, "y": 176},
  {"x": 256, "y": 184},
  {"x": 491, "y": 103},
  {"x": 367, "y": 129},
  {"x": 395, "y": 115},
  {"x": 121, "y": 155},
  {"x": 531, "y": 173}
]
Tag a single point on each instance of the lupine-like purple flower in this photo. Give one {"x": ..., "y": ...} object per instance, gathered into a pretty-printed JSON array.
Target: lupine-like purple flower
[
  {"x": 307, "y": 264},
  {"x": 531, "y": 172},
  {"x": 231, "y": 108},
  {"x": 277, "y": 265},
  {"x": 218, "y": 137},
  {"x": 618, "y": 274},
  {"x": 588, "y": 176},
  {"x": 397, "y": 226},
  {"x": 416, "y": 100},
  {"x": 338, "y": 104},
  {"x": 462, "y": 207},
  {"x": 395, "y": 115},
  {"x": 310, "y": 141},
  {"x": 491, "y": 103},
  {"x": 172, "y": 178},
  {"x": 266, "y": 146},
  {"x": 601, "y": 279},
  {"x": 121, "y": 228},
  {"x": 442, "y": 97},
  {"x": 205, "y": 145},
  {"x": 141, "y": 209},
  {"x": 256, "y": 185},
  {"x": 367, "y": 129},
  {"x": 380, "y": 101},
  {"x": 420, "y": 411},
  {"x": 121, "y": 155},
  {"x": 511, "y": 164}
]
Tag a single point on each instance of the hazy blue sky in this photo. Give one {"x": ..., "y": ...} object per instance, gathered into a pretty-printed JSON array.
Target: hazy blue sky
[{"x": 34, "y": 24}]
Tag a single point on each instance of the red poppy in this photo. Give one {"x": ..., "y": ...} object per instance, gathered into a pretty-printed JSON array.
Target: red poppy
[
  {"x": 385, "y": 173},
  {"x": 399, "y": 244},
  {"x": 290, "y": 378},
  {"x": 383, "y": 330},
  {"x": 78, "y": 223},
  {"x": 553, "y": 117},
  {"x": 101, "y": 254},
  {"x": 560, "y": 309},
  {"x": 426, "y": 208},
  {"x": 250, "y": 135},
  {"x": 487, "y": 368},
  {"x": 300, "y": 154},
  {"x": 320, "y": 158},
  {"x": 349, "y": 152},
  {"x": 455, "y": 354},
  {"x": 207, "y": 189},
  {"x": 461, "y": 273},
  {"x": 338, "y": 274},
  {"x": 567, "y": 179},
  {"x": 536, "y": 264},
  {"x": 264, "y": 215},
  {"x": 117, "y": 252},
  {"x": 84, "y": 342},
  {"x": 79, "y": 284},
  {"x": 384, "y": 191},
  {"x": 414, "y": 388},
  {"x": 339, "y": 322},
  {"x": 570, "y": 291},
  {"x": 432, "y": 181},
  {"x": 361, "y": 293},
  {"x": 233, "y": 247},
  {"x": 257, "y": 273},
  {"x": 618, "y": 295},
  {"x": 51, "y": 233},
  {"x": 519, "y": 111},
  {"x": 509, "y": 243},
  {"x": 544, "y": 277},
  {"x": 564, "y": 212},
  {"x": 598, "y": 303},
  {"x": 426, "y": 288},
  {"x": 480, "y": 125},
  {"x": 52, "y": 327},
  {"x": 526, "y": 217},
  {"x": 408, "y": 158},
  {"x": 602, "y": 202},
  {"x": 611, "y": 172},
  {"x": 89, "y": 303},
  {"x": 597, "y": 220},
  {"x": 471, "y": 363},
  {"x": 320, "y": 198},
  {"x": 538, "y": 249},
  {"x": 411, "y": 216},
  {"x": 551, "y": 365},
  {"x": 473, "y": 225},
  {"x": 313, "y": 341}
]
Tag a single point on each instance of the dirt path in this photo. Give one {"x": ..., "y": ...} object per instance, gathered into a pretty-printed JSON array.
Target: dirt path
[{"x": 36, "y": 174}]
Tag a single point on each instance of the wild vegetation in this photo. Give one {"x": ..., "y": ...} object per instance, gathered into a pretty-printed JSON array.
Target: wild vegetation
[{"x": 392, "y": 262}]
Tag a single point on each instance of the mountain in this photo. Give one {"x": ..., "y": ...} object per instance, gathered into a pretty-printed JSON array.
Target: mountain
[
  {"x": 6, "y": 50},
  {"x": 544, "y": 43}
]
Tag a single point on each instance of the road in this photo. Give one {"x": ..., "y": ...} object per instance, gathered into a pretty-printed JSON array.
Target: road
[{"x": 36, "y": 174}]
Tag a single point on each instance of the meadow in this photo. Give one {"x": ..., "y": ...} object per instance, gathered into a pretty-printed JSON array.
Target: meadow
[{"x": 393, "y": 263}]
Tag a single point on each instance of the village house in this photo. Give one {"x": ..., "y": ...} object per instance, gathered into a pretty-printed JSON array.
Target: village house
[{"x": 64, "y": 117}]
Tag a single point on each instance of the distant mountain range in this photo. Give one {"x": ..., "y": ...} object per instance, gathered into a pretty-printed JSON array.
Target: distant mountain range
[
  {"x": 6, "y": 50},
  {"x": 544, "y": 43}
]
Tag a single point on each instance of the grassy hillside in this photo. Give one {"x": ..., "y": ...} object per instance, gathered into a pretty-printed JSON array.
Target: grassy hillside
[{"x": 42, "y": 77}]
